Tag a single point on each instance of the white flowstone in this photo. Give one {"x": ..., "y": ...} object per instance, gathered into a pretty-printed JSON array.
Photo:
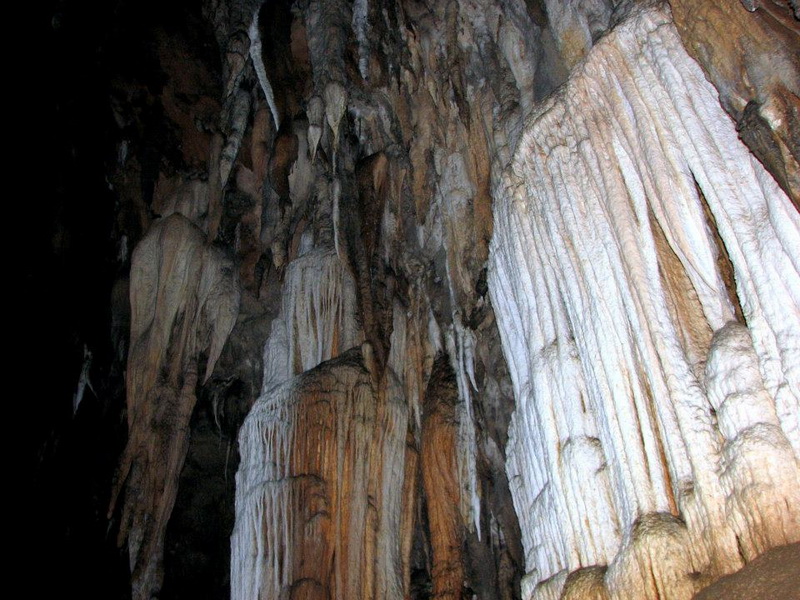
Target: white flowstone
[
  {"x": 261, "y": 544},
  {"x": 604, "y": 280},
  {"x": 317, "y": 320}
]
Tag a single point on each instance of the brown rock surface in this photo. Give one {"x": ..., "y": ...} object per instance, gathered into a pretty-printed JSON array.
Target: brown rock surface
[
  {"x": 775, "y": 575},
  {"x": 345, "y": 162},
  {"x": 310, "y": 480},
  {"x": 439, "y": 465}
]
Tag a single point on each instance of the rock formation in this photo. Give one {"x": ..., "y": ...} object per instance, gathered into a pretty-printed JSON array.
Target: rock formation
[
  {"x": 615, "y": 319},
  {"x": 184, "y": 302},
  {"x": 477, "y": 298}
]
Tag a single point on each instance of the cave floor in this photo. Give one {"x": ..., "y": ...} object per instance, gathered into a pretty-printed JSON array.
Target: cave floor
[{"x": 775, "y": 575}]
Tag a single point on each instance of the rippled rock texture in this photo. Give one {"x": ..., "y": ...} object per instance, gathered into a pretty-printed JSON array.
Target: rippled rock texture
[
  {"x": 476, "y": 298},
  {"x": 647, "y": 388}
]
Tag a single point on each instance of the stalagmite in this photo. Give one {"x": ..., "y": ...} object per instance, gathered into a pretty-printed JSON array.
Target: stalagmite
[
  {"x": 319, "y": 489},
  {"x": 760, "y": 469},
  {"x": 605, "y": 282}
]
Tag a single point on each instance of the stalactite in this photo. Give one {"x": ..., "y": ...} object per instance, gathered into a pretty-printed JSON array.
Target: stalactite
[
  {"x": 315, "y": 114},
  {"x": 361, "y": 29},
  {"x": 577, "y": 24},
  {"x": 318, "y": 317},
  {"x": 615, "y": 456},
  {"x": 403, "y": 383},
  {"x": 460, "y": 348},
  {"x": 335, "y": 104},
  {"x": 184, "y": 302},
  {"x": 261, "y": 71},
  {"x": 237, "y": 114},
  {"x": 748, "y": 50},
  {"x": 643, "y": 273}
]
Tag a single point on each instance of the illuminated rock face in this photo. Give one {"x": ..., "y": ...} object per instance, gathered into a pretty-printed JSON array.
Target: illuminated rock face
[
  {"x": 656, "y": 429},
  {"x": 322, "y": 488},
  {"x": 317, "y": 320},
  {"x": 313, "y": 516},
  {"x": 349, "y": 164},
  {"x": 748, "y": 50}
]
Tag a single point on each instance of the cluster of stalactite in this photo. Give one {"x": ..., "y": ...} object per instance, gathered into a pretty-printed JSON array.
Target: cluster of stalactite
[
  {"x": 403, "y": 230},
  {"x": 184, "y": 300}
]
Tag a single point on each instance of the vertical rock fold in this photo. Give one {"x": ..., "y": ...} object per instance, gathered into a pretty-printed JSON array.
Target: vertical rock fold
[{"x": 641, "y": 400}]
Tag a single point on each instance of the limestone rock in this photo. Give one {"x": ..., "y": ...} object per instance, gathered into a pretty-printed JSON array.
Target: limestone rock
[
  {"x": 749, "y": 51},
  {"x": 311, "y": 503},
  {"x": 184, "y": 302},
  {"x": 440, "y": 476},
  {"x": 606, "y": 286},
  {"x": 519, "y": 307}
]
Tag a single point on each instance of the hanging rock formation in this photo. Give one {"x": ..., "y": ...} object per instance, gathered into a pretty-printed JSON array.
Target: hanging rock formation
[
  {"x": 644, "y": 400},
  {"x": 184, "y": 302},
  {"x": 310, "y": 504},
  {"x": 439, "y": 460},
  {"x": 477, "y": 298},
  {"x": 748, "y": 50}
]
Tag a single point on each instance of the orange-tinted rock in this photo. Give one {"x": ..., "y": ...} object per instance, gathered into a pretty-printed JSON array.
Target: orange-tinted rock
[
  {"x": 280, "y": 164},
  {"x": 439, "y": 464},
  {"x": 311, "y": 488},
  {"x": 371, "y": 175}
]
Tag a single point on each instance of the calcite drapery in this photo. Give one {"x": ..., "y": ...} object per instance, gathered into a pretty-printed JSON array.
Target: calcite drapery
[
  {"x": 439, "y": 458},
  {"x": 377, "y": 131},
  {"x": 314, "y": 516},
  {"x": 642, "y": 405},
  {"x": 749, "y": 51},
  {"x": 320, "y": 489},
  {"x": 184, "y": 302},
  {"x": 317, "y": 320}
]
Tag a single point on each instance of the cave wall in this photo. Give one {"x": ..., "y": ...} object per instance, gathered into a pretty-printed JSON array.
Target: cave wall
[{"x": 480, "y": 297}]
